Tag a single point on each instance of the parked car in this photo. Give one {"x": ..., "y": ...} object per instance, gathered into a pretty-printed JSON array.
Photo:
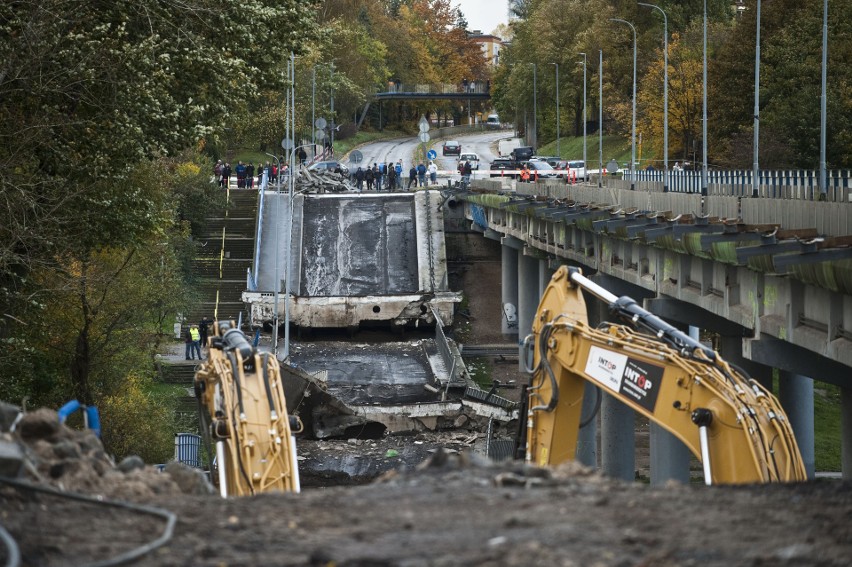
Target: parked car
[
  {"x": 522, "y": 153},
  {"x": 471, "y": 157},
  {"x": 542, "y": 169},
  {"x": 575, "y": 168},
  {"x": 503, "y": 164},
  {"x": 552, "y": 160},
  {"x": 451, "y": 147},
  {"x": 331, "y": 165}
]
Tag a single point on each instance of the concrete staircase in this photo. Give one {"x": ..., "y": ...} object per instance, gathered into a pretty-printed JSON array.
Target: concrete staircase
[{"x": 222, "y": 262}]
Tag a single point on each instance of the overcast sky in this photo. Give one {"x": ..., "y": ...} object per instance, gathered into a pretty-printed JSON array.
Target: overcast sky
[{"x": 484, "y": 15}]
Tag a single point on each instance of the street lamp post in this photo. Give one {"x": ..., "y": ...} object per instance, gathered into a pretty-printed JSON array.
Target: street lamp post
[
  {"x": 600, "y": 119},
  {"x": 585, "y": 118},
  {"x": 666, "y": 93},
  {"x": 331, "y": 104},
  {"x": 633, "y": 130},
  {"x": 755, "y": 174},
  {"x": 277, "y": 290},
  {"x": 557, "y": 110},
  {"x": 535, "y": 106},
  {"x": 823, "y": 174},
  {"x": 704, "y": 116}
]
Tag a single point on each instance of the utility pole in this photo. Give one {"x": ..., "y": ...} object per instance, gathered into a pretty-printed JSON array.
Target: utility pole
[
  {"x": 633, "y": 129},
  {"x": 600, "y": 120},
  {"x": 585, "y": 117},
  {"x": 557, "y": 110},
  {"x": 755, "y": 174},
  {"x": 331, "y": 90},
  {"x": 666, "y": 92}
]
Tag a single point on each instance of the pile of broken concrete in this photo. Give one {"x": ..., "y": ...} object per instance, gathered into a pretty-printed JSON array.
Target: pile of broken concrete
[
  {"x": 37, "y": 448},
  {"x": 322, "y": 181}
]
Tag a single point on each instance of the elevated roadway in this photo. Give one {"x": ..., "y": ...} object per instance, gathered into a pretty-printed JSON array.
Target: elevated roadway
[{"x": 779, "y": 303}]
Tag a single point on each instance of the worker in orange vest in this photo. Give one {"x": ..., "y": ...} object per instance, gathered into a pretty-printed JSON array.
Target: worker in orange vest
[{"x": 525, "y": 174}]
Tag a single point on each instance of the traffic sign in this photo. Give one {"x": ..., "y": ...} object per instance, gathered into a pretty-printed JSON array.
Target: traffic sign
[
  {"x": 424, "y": 137},
  {"x": 319, "y": 134},
  {"x": 612, "y": 166},
  {"x": 423, "y": 124},
  {"x": 431, "y": 154},
  {"x": 320, "y": 123},
  {"x": 356, "y": 157},
  {"x": 287, "y": 144}
]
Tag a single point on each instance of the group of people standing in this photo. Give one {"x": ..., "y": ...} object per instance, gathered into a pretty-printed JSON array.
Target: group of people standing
[
  {"x": 245, "y": 173},
  {"x": 388, "y": 177}
]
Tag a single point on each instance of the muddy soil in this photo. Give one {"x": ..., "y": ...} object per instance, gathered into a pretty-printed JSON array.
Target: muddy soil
[{"x": 455, "y": 510}]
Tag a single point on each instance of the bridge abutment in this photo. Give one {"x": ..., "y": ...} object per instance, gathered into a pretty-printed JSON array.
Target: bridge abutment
[{"x": 796, "y": 394}]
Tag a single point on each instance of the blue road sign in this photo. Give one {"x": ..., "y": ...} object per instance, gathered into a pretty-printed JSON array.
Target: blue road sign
[{"x": 431, "y": 154}]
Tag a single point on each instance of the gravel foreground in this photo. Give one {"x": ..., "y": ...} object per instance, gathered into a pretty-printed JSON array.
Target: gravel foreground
[{"x": 452, "y": 509}]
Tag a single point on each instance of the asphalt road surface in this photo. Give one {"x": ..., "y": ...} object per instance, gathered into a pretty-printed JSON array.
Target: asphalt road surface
[{"x": 482, "y": 143}]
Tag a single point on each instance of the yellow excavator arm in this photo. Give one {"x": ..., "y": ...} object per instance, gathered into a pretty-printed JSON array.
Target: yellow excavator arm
[
  {"x": 245, "y": 415},
  {"x": 735, "y": 427}
]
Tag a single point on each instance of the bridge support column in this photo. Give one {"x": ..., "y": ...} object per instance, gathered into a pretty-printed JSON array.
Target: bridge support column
[
  {"x": 509, "y": 280},
  {"x": 587, "y": 437},
  {"x": 618, "y": 429},
  {"x": 796, "y": 394},
  {"x": 732, "y": 351},
  {"x": 544, "y": 275},
  {"x": 846, "y": 432},
  {"x": 669, "y": 456},
  {"x": 528, "y": 297},
  {"x": 618, "y": 443}
]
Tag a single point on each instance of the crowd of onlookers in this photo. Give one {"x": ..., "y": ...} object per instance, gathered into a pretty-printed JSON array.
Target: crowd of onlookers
[
  {"x": 247, "y": 174},
  {"x": 379, "y": 177}
]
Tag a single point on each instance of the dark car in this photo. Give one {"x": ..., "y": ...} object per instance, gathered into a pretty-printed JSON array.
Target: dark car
[
  {"x": 451, "y": 148},
  {"x": 522, "y": 153},
  {"x": 330, "y": 166},
  {"x": 552, "y": 160},
  {"x": 503, "y": 164}
]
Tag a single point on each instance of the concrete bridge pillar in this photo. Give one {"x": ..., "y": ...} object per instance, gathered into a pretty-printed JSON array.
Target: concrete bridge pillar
[
  {"x": 544, "y": 275},
  {"x": 796, "y": 394},
  {"x": 618, "y": 444},
  {"x": 731, "y": 348},
  {"x": 618, "y": 429},
  {"x": 669, "y": 456},
  {"x": 846, "y": 432},
  {"x": 509, "y": 280},
  {"x": 528, "y": 297},
  {"x": 587, "y": 438}
]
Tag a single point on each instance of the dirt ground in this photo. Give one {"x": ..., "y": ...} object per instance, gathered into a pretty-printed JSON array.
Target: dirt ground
[
  {"x": 454, "y": 509},
  {"x": 434, "y": 502}
]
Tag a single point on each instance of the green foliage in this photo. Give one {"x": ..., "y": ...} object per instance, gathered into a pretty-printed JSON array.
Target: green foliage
[
  {"x": 827, "y": 429},
  {"x": 137, "y": 420}
]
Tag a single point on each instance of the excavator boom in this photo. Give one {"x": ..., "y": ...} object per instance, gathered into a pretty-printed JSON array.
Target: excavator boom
[
  {"x": 245, "y": 414},
  {"x": 735, "y": 427}
]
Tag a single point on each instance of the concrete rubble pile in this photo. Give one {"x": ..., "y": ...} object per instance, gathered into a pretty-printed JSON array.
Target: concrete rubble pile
[
  {"x": 322, "y": 181},
  {"x": 36, "y": 448}
]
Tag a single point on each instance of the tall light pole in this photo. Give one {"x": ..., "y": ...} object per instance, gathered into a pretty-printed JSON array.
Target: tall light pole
[
  {"x": 535, "y": 106},
  {"x": 755, "y": 179},
  {"x": 600, "y": 120},
  {"x": 585, "y": 118},
  {"x": 277, "y": 290},
  {"x": 331, "y": 109},
  {"x": 704, "y": 116},
  {"x": 557, "y": 110},
  {"x": 313, "y": 110},
  {"x": 823, "y": 181},
  {"x": 633, "y": 131},
  {"x": 666, "y": 93}
]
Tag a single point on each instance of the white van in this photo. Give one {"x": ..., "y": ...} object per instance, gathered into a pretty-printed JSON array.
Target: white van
[
  {"x": 493, "y": 121},
  {"x": 471, "y": 157}
]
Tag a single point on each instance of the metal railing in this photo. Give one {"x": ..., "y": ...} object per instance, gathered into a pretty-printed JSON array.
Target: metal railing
[
  {"x": 472, "y": 87},
  {"x": 251, "y": 276},
  {"x": 800, "y": 184}
]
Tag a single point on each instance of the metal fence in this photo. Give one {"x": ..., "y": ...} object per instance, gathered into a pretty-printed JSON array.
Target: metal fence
[
  {"x": 802, "y": 184},
  {"x": 187, "y": 449}
]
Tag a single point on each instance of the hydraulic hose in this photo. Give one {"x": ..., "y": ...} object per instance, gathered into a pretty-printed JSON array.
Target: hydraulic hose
[{"x": 123, "y": 558}]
